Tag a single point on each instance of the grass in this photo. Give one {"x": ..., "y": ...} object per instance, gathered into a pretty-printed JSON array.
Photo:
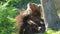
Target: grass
[{"x": 50, "y": 31}]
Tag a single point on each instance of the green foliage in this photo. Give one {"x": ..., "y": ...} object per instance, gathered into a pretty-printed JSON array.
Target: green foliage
[
  {"x": 7, "y": 23},
  {"x": 50, "y": 31},
  {"x": 23, "y": 3}
]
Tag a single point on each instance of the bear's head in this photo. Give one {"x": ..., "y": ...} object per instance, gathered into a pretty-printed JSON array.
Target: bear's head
[{"x": 35, "y": 9}]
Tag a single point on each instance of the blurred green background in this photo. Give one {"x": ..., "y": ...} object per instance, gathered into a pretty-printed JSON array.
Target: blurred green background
[{"x": 9, "y": 9}]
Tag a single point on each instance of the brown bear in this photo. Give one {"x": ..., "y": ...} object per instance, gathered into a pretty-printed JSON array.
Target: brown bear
[{"x": 30, "y": 21}]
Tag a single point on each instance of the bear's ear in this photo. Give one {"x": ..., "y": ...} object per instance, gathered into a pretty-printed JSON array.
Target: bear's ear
[
  {"x": 39, "y": 5},
  {"x": 30, "y": 6}
]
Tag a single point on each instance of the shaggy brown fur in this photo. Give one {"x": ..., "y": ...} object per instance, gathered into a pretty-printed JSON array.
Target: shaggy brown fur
[{"x": 30, "y": 22}]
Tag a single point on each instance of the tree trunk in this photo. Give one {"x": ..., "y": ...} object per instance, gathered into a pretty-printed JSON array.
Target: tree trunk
[{"x": 50, "y": 14}]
